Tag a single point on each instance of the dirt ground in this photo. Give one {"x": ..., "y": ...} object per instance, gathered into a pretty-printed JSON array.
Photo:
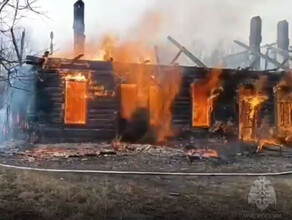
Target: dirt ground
[{"x": 37, "y": 195}]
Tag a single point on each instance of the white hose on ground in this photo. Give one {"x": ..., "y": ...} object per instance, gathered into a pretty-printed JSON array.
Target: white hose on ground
[{"x": 149, "y": 173}]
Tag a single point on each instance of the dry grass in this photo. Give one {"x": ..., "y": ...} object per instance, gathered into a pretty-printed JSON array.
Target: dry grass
[
  {"x": 36, "y": 196},
  {"x": 29, "y": 195}
]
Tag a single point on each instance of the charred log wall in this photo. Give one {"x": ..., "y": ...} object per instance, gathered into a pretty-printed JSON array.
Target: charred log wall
[
  {"x": 103, "y": 111},
  {"x": 182, "y": 107},
  {"x": 226, "y": 106},
  {"x": 102, "y": 106}
]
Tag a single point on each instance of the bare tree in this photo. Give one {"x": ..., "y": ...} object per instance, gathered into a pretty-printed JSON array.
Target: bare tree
[
  {"x": 13, "y": 46},
  {"x": 12, "y": 35}
]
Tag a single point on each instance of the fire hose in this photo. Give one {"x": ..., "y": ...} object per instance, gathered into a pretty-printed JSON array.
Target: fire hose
[{"x": 142, "y": 173}]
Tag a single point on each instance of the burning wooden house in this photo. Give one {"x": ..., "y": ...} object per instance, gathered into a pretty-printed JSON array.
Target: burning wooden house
[
  {"x": 81, "y": 101},
  {"x": 77, "y": 100}
]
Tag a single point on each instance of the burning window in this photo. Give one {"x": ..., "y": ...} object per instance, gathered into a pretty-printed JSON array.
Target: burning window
[
  {"x": 201, "y": 106},
  {"x": 250, "y": 105},
  {"x": 76, "y": 99},
  {"x": 204, "y": 95},
  {"x": 283, "y": 110}
]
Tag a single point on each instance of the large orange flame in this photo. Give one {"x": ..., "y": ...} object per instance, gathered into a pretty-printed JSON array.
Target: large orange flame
[
  {"x": 145, "y": 86},
  {"x": 79, "y": 77},
  {"x": 252, "y": 127},
  {"x": 204, "y": 95},
  {"x": 250, "y": 104}
]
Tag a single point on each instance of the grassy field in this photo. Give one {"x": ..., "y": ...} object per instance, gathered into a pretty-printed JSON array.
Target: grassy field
[{"x": 30, "y": 195}]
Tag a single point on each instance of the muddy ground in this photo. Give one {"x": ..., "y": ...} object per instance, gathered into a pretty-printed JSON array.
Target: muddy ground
[{"x": 37, "y": 195}]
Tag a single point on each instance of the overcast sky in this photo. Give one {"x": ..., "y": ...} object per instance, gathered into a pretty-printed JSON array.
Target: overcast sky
[{"x": 195, "y": 23}]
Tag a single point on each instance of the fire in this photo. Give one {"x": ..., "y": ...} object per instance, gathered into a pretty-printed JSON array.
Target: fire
[
  {"x": 204, "y": 95},
  {"x": 250, "y": 104},
  {"x": 136, "y": 47},
  {"x": 76, "y": 99},
  {"x": 254, "y": 102},
  {"x": 253, "y": 128},
  {"x": 105, "y": 51},
  {"x": 283, "y": 104},
  {"x": 161, "y": 98},
  {"x": 79, "y": 77},
  {"x": 203, "y": 153},
  {"x": 145, "y": 92},
  {"x": 128, "y": 100},
  {"x": 145, "y": 87}
]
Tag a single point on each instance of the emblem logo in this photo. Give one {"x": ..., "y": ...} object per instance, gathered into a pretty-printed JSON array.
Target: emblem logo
[{"x": 262, "y": 193}]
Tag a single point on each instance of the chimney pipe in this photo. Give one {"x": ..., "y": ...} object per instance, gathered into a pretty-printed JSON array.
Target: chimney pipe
[
  {"x": 283, "y": 35},
  {"x": 283, "y": 40},
  {"x": 255, "y": 39},
  {"x": 79, "y": 28}
]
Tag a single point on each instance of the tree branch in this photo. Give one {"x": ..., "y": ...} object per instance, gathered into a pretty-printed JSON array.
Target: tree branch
[
  {"x": 15, "y": 45},
  {"x": 3, "y": 4}
]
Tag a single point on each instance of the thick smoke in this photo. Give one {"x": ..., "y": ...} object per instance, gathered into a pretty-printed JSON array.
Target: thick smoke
[
  {"x": 207, "y": 28},
  {"x": 17, "y": 103}
]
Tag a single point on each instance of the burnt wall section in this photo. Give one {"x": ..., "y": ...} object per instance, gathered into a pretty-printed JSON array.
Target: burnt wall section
[
  {"x": 226, "y": 105},
  {"x": 102, "y": 103},
  {"x": 182, "y": 106}
]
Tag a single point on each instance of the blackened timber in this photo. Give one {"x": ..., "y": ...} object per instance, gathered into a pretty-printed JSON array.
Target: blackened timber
[
  {"x": 279, "y": 65},
  {"x": 282, "y": 52},
  {"x": 187, "y": 53},
  {"x": 101, "y": 111},
  {"x": 176, "y": 57}
]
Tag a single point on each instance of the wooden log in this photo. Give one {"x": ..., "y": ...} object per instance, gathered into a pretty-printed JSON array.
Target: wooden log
[
  {"x": 183, "y": 98},
  {"x": 181, "y": 116},
  {"x": 101, "y": 111},
  {"x": 52, "y": 83},
  {"x": 187, "y": 53},
  {"x": 87, "y": 132},
  {"x": 109, "y": 116},
  {"x": 57, "y": 100},
  {"x": 55, "y": 115},
  {"x": 101, "y": 121},
  {"x": 181, "y": 122},
  {"x": 181, "y": 112},
  {"x": 58, "y": 121},
  {"x": 110, "y": 106},
  {"x": 259, "y": 54},
  {"x": 105, "y": 99},
  {"x": 100, "y": 126},
  {"x": 53, "y": 90},
  {"x": 55, "y": 95}
]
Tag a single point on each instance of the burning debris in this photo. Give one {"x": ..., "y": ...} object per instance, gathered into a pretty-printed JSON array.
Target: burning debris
[
  {"x": 202, "y": 154},
  {"x": 226, "y": 130},
  {"x": 52, "y": 152}
]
